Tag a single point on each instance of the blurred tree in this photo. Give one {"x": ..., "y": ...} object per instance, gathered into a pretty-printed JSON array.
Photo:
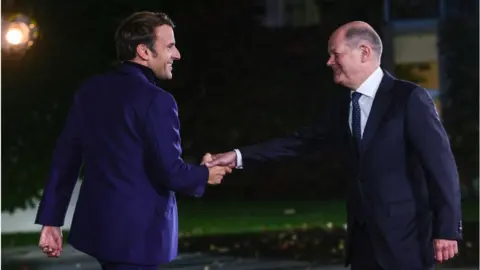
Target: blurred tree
[{"x": 459, "y": 47}]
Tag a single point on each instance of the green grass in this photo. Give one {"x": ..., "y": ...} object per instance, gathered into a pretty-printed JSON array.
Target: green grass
[
  {"x": 255, "y": 216},
  {"x": 213, "y": 218}
]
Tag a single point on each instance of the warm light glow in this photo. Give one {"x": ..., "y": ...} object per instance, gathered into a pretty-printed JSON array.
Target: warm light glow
[
  {"x": 19, "y": 32},
  {"x": 14, "y": 36}
]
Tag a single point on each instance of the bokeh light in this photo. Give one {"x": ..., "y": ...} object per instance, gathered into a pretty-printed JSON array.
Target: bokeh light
[
  {"x": 18, "y": 33},
  {"x": 14, "y": 36}
]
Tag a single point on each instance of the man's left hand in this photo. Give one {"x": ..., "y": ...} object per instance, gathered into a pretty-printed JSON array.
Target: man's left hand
[{"x": 445, "y": 249}]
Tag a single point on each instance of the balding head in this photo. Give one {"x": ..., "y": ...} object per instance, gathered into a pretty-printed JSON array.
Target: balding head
[
  {"x": 358, "y": 33},
  {"x": 355, "y": 52}
]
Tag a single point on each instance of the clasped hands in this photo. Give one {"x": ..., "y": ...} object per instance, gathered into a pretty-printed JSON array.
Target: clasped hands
[{"x": 219, "y": 165}]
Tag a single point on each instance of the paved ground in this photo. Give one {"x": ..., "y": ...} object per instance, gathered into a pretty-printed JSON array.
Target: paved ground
[{"x": 30, "y": 258}]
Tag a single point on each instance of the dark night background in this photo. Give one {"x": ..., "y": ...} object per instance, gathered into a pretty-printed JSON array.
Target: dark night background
[{"x": 238, "y": 82}]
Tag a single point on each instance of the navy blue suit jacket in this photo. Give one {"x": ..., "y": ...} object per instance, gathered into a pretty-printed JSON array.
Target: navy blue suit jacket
[
  {"x": 125, "y": 131},
  {"x": 405, "y": 170}
]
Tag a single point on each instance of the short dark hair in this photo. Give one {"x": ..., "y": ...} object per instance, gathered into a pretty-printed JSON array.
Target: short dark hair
[
  {"x": 355, "y": 35},
  {"x": 138, "y": 28}
]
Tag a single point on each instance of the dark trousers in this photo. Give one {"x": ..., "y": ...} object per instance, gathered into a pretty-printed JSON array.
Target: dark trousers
[
  {"x": 116, "y": 266},
  {"x": 362, "y": 253}
]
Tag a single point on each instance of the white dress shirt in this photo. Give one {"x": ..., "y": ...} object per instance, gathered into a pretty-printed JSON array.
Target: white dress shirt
[{"x": 368, "y": 89}]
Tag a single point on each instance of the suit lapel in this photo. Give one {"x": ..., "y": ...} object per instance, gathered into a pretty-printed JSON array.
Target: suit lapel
[{"x": 379, "y": 107}]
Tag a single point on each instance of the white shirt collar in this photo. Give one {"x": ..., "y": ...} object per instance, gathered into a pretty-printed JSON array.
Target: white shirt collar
[{"x": 370, "y": 86}]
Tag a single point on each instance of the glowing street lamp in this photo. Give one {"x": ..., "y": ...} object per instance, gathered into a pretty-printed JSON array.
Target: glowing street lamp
[{"x": 18, "y": 33}]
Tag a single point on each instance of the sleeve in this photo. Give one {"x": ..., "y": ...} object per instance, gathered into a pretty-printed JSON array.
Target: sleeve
[
  {"x": 64, "y": 172},
  {"x": 430, "y": 140},
  {"x": 163, "y": 135},
  {"x": 299, "y": 143}
]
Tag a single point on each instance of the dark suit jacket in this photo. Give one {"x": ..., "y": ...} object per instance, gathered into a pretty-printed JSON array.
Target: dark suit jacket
[
  {"x": 125, "y": 130},
  {"x": 405, "y": 170}
]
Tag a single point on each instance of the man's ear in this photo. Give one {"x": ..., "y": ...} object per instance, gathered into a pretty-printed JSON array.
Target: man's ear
[
  {"x": 366, "y": 52},
  {"x": 143, "y": 52}
]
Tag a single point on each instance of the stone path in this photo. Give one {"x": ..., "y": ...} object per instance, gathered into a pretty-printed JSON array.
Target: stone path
[{"x": 30, "y": 258}]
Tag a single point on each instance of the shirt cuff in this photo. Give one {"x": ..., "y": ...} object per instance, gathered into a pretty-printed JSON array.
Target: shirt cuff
[{"x": 239, "y": 159}]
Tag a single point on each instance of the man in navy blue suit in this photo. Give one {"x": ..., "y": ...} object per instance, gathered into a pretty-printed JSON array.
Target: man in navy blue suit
[
  {"x": 403, "y": 206},
  {"x": 124, "y": 129}
]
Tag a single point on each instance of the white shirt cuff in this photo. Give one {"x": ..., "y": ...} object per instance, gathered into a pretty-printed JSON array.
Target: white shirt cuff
[{"x": 239, "y": 159}]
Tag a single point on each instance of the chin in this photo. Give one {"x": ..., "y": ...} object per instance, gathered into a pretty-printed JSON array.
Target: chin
[
  {"x": 337, "y": 80},
  {"x": 167, "y": 76}
]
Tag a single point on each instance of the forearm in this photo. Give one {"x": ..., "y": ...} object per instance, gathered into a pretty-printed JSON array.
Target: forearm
[
  {"x": 276, "y": 150},
  {"x": 57, "y": 193},
  {"x": 444, "y": 190},
  {"x": 446, "y": 197},
  {"x": 299, "y": 143},
  {"x": 186, "y": 179}
]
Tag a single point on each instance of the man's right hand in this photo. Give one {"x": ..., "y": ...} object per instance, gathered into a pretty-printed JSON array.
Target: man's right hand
[
  {"x": 217, "y": 173},
  {"x": 51, "y": 241},
  {"x": 223, "y": 159}
]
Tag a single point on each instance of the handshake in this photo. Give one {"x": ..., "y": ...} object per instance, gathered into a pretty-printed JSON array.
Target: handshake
[{"x": 219, "y": 165}]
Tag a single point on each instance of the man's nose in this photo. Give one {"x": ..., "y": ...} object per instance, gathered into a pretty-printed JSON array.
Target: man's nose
[
  {"x": 330, "y": 61},
  {"x": 176, "y": 55}
]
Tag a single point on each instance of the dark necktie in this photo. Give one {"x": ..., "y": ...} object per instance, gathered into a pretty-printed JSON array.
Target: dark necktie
[
  {"x": 356, "y": 119},
  {"x": 357, "y": 136}
]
